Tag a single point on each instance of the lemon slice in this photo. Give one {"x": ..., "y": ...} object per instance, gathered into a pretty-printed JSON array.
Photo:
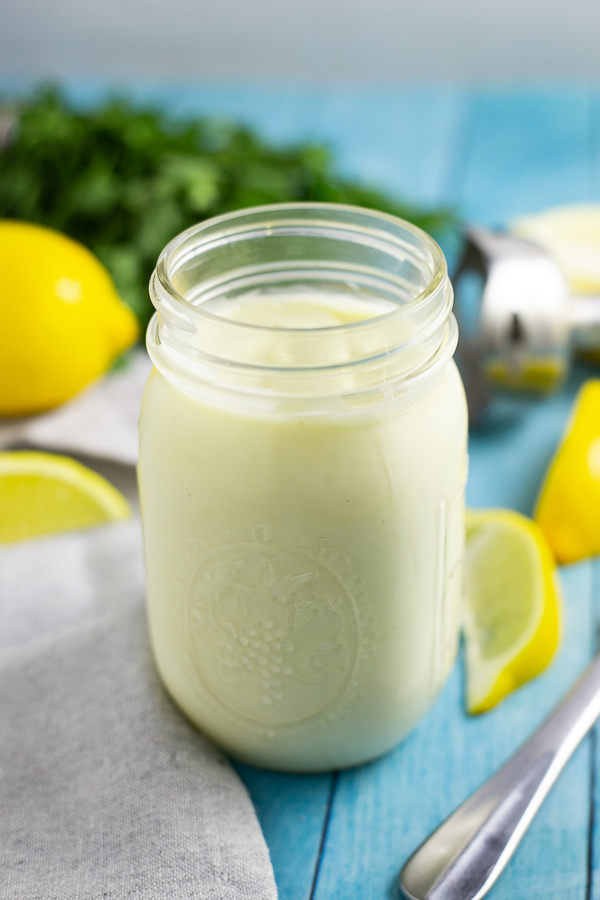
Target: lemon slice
[
  {"x": 568, "y": 508},
  {"x": 41, "y": 493},
  {"x": 571, "y": 234},
  {"x": 512, "y": 605}
]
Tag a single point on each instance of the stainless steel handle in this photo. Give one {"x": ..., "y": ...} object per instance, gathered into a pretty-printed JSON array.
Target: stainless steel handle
[{"x": 463, "y": 858}]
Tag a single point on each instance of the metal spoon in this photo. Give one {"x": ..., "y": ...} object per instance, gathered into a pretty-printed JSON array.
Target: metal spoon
[
  {"x": 462, "y": 859},
  {"x": 516, "y": 315}
]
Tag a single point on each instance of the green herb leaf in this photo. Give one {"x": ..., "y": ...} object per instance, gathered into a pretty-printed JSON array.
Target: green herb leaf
[{"x": 124, "y": 181}]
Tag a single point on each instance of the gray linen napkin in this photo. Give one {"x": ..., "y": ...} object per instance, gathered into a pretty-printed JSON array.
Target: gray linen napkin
[
  {"x": 101, "y": 421},
  {"x": 105, "y": 790}
]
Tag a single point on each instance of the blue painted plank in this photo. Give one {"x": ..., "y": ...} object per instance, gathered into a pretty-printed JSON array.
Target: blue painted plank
[
  {"x": 508, "y": 458},
  {"x": 282, "y": 114},
  {"x": 594, "y": 193},
  {"x": 594, "y": 856},
  {"x": 291, "y": 810},
  {"x": 401, "y": 140},
  {"x": 382, "y": 811},
  {"x": 531, "y": 151}
]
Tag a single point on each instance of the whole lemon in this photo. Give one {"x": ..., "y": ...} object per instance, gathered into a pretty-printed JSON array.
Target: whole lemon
[{"x": 62, "y": 321}]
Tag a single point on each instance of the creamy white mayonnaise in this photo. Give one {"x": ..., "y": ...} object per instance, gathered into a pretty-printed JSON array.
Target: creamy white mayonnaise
[{"x": 304, "y": 565}]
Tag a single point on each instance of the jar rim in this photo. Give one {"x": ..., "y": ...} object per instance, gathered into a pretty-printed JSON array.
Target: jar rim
[
  {"x": 362, "y": 253},
  {"x": 163, "y": 274}
]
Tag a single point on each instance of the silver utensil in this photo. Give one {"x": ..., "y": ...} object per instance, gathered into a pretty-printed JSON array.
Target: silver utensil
[
  {"x": 518, "y": 323},
  {"x": 462, "y": 859}
]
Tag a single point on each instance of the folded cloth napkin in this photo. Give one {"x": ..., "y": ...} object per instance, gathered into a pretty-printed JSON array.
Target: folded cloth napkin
[
  {"x": 100, "y": 421},
  {"x": 106, "y": 791}
]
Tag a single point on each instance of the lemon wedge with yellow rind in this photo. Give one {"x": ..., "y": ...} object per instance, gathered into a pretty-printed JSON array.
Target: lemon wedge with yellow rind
[
  {"x": 41, "y": 493},
  {"x": 568, "y": 508},
  {"x": 512, "y": 605}
]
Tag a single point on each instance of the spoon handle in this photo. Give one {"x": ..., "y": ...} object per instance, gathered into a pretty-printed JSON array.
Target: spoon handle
[{"x": 463, "y": 858}]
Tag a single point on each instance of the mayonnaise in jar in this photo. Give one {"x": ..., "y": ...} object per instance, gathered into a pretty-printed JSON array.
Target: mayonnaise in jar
[{"x": 302, "y": 471}]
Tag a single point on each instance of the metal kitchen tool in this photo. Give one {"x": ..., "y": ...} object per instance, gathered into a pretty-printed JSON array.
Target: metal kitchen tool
[
  {"x": 467, "y": 853},
  {"x": 519, "y": 324}
]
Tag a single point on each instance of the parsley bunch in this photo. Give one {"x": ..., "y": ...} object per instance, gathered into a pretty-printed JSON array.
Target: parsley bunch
[{"x": 124, "y": 180}]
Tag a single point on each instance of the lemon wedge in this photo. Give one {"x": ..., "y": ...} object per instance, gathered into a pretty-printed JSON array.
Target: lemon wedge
[
  {"x": 41, "y": 493},
  {"x": 512, "y": 608},
  {"x": 568, "y": 508},
  {"x": 571, "y": 234}
]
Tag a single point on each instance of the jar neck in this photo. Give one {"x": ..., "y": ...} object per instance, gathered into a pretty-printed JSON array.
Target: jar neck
[{"x": 346, "y": 254}]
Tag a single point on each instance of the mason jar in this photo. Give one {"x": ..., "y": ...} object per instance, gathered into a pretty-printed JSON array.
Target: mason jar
[{"x": 302, "y": 471}]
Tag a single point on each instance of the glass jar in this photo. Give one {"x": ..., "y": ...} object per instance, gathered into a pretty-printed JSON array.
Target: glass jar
[{"x": 302, "y": 471}]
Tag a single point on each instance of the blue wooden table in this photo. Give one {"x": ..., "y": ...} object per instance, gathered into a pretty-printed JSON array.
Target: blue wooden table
[{"x": 492, "y": 155}]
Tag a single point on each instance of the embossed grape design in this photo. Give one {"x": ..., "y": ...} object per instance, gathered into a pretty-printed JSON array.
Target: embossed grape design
[{"x": 274, "y": 632}]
